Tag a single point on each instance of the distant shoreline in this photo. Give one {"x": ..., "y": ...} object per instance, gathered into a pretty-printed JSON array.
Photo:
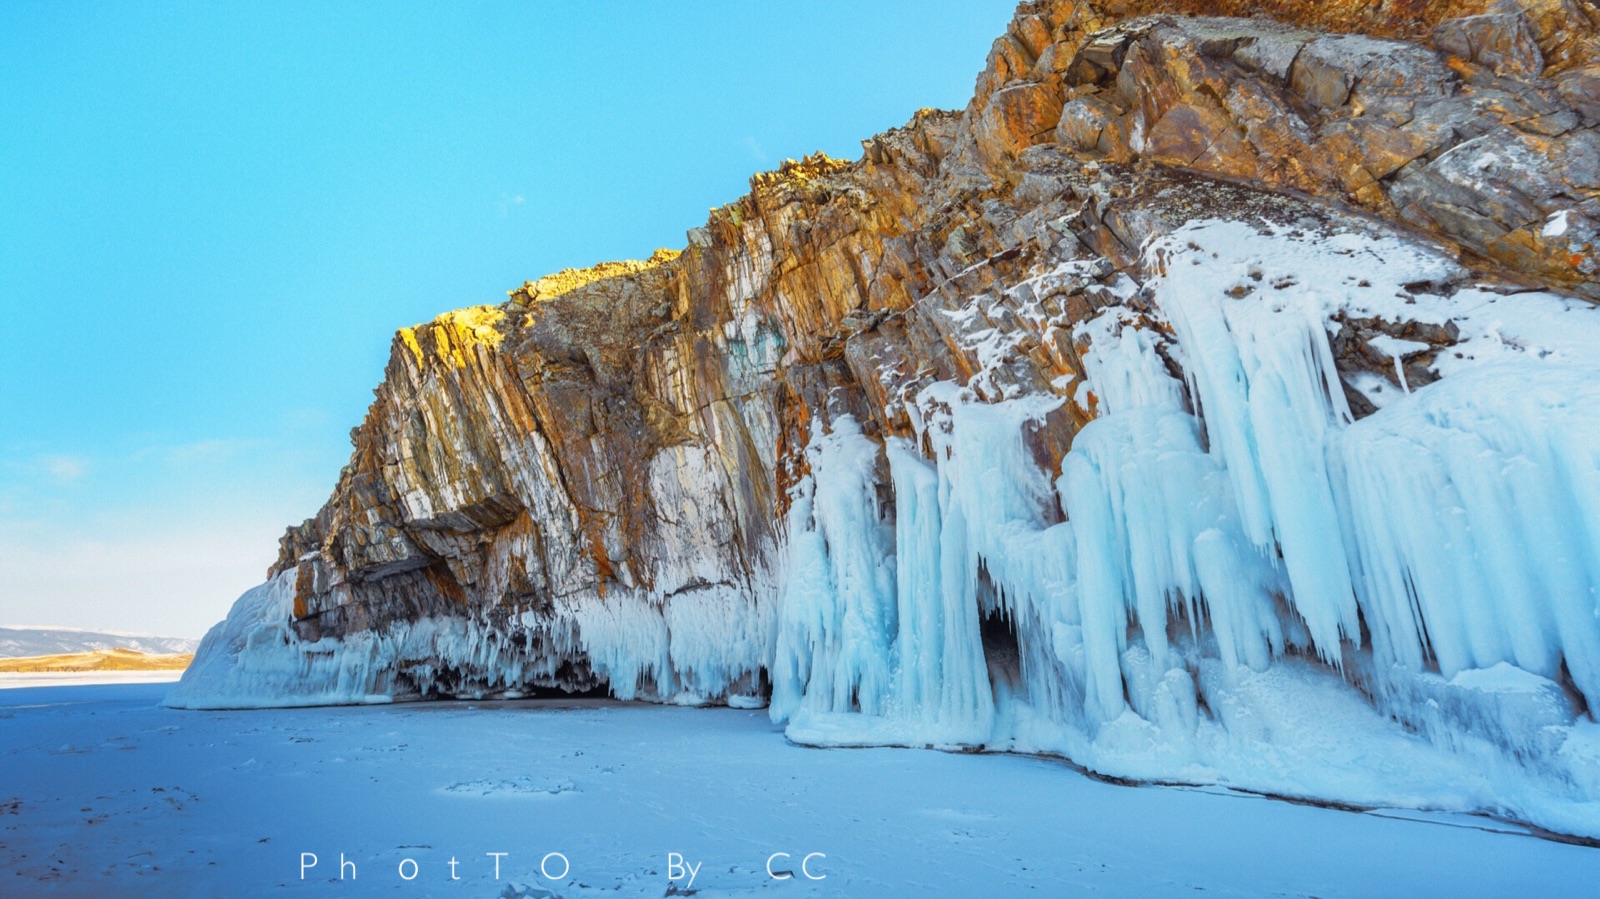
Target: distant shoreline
[{"x": 97, "y": 660}]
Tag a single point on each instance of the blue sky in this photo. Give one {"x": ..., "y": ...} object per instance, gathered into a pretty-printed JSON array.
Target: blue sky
[{"x": 214, "y": 216}]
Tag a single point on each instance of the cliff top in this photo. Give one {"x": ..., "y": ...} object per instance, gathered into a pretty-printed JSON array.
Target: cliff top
[
  {"x": 1405, "y": 19},
  {"x": 569, "y": 279}
]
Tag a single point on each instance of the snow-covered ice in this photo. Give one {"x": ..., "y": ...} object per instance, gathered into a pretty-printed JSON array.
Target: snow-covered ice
[
  {"x": 106, "y": 793},
  {"x": 1250, "y": 586},
  {"x": 10, "y": 680}
]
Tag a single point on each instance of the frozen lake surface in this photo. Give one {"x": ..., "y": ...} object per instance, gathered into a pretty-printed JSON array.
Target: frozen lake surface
[{"x": 104, "y": 793}]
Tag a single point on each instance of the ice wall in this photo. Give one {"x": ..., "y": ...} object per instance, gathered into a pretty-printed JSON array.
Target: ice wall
[
  {"x": 1249, "y": 586},
  {"x": 705, "y": 645}
]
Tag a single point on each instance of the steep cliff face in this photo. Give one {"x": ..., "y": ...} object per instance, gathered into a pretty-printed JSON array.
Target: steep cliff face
[{"x": 1210, "y": 390}]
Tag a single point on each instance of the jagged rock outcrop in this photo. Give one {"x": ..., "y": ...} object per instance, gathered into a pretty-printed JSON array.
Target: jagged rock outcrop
[{"x": 611, "y": 480}]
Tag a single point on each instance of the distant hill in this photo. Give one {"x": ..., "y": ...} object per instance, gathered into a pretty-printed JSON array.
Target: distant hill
[
  {"x": 100, "y": 660},
  {"x": 21, "y": 642}
]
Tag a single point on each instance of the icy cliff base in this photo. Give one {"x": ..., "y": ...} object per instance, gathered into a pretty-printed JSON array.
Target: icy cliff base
[
  {"x": 705, "y": 647},
  {"x": 1268, "y": 593}
]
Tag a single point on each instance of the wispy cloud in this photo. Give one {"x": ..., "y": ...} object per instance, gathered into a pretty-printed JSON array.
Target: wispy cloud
[
  {"x": 214, "y": 450},
  {"x": 54, "y": 470},
  {"x": 64, "y": 469},
  {"x": 509, "y": 202},
  {"x": 756, "y": 150}
]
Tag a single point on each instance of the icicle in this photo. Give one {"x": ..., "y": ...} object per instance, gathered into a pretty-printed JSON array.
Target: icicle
[
  {"x": 942, "y": 680},
  {"x": 837, "y": 608}
]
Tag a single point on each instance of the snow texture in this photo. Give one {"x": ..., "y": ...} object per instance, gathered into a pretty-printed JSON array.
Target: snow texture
[{"x": 108, "y": 795}]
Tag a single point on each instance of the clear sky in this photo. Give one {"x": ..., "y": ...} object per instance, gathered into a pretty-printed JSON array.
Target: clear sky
[{"x": 214, "y": 216}]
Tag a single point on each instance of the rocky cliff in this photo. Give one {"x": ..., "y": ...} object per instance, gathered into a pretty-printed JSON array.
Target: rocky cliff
[{"x": 1222, "y": 377}]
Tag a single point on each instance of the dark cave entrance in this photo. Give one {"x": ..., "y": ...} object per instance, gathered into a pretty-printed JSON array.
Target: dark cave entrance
[{"x": 1002, "y": 651}]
